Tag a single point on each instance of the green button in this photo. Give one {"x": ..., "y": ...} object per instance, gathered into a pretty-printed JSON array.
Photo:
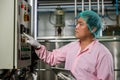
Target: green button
[{"x": 25, "y": 49}]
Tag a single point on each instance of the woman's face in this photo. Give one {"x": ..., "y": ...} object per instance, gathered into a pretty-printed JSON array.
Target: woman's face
[{"x": 81, "y": 30}]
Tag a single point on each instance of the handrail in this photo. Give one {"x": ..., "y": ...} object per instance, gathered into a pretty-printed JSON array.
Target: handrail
[{"x": 72, "y": 38}]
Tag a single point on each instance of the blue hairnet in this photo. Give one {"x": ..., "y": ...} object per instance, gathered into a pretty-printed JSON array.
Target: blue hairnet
[{"x": 93, "y": 20}]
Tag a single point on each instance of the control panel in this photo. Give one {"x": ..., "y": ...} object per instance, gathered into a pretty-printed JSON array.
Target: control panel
[{"x": 24, "y": 25}]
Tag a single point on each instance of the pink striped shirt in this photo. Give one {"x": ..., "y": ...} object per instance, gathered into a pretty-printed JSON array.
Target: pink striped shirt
[{"x": 95, "y": 62}]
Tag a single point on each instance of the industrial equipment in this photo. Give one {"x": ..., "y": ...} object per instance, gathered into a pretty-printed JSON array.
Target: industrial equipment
[
  {"x": 15, "y": 19},
  {"x": 113, "y": 44},
  {"x": 60, "y": 21}
]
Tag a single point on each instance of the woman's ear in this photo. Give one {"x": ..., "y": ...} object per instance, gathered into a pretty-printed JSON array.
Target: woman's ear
[{"x": 94, "y": 29}]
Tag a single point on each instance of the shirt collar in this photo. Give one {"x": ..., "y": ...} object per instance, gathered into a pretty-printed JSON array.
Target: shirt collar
[{"x": 90, "y": 46}]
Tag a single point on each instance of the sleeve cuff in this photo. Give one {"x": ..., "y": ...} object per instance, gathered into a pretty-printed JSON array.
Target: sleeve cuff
[{"x": 38, "y": 47}]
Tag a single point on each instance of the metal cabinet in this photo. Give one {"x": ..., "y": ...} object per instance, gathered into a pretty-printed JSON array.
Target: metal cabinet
[{"x": 14, "y": 53}]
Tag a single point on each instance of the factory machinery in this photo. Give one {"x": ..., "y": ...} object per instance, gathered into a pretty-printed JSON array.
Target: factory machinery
[{"x": 52, "y": 23}]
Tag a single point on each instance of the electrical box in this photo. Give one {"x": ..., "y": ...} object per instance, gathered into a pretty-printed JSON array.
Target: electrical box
[{"x": 15, "y": 18}]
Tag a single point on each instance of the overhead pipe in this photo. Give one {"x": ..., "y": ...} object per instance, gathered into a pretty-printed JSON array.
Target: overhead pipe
[
  {"x": 117, "y": 13},
  {"x": 75, "y": 10},
  {"x": 117, "y": 7},
  {"x": 102, "y": 17},
  {"x": 82, "y": 5},
  {"x": 68, "y": 3},
  {"x": 103, "y": 8},
  {"x": 98, "y": 3},
  {"x": 89, "y": 4}
]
